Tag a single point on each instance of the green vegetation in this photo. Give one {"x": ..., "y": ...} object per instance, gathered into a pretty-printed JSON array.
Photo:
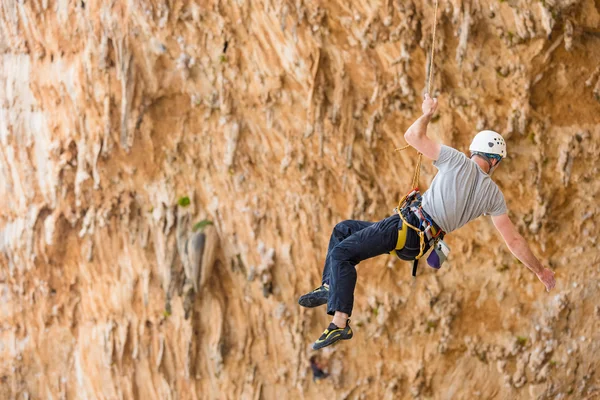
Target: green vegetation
[
  {"x": 184, "y": 201},
  {"x": 199, "y": 226}
]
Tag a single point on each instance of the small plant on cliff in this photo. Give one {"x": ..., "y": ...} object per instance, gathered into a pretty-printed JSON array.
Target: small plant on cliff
[
  {"x": 184, "y": 201},
  {"x": 201, "y": 225}
]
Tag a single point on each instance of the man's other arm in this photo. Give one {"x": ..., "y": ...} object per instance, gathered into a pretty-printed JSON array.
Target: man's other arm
[{"x": 520, "y": 249}]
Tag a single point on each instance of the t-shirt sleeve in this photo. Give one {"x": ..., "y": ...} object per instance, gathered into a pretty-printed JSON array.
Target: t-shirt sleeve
[
  {"x": 498, "y": 206},
  {"x": 449, "y": 158}
]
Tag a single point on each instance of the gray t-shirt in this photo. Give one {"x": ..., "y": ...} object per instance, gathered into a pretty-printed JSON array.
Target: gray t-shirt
[{"x": 460, "y": 192}]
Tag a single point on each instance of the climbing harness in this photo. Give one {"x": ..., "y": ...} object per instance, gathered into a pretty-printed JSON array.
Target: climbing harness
[{"x": 430, "y": 234}]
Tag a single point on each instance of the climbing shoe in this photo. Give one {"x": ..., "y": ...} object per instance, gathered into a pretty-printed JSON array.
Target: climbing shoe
[
  {"x": 315, "y": 298},
  {"x": 332, "y": 334}
]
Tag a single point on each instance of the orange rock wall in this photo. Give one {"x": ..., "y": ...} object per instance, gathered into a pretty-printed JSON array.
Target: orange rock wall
[{"x": 276, "y": 120}]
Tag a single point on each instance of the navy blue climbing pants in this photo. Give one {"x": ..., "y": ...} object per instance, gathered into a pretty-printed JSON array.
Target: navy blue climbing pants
[{"x": 352, "y": 242}]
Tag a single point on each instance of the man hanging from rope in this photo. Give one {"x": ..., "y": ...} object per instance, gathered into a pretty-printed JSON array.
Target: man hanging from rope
[{"x": 461, "y": 191}]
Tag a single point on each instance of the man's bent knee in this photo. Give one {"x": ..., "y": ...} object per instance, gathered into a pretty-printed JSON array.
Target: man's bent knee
[
  {"x": 343, "y": 226},
  {"x": 340, "y": 254}
]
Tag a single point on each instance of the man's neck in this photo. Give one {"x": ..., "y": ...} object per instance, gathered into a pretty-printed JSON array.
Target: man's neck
[{"x": 483, "y": 164}]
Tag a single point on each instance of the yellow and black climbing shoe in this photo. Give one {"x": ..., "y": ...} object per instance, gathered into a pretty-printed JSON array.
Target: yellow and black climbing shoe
[
  {"x": 332, "y": 334},
  {"x": 315, "y": 298}
]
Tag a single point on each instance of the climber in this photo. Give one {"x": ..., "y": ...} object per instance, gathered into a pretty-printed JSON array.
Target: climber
[{"x": 461, "y": 191}]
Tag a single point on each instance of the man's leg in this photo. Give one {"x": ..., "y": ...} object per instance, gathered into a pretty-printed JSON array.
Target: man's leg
[
  {"x": 340, "y": 232},
  {"x": 377, "y": 239}
]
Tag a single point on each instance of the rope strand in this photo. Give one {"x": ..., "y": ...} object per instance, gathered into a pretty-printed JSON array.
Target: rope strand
[
  {"x": 432, "y": 48},
  {"x": 417, "y": 174},
  {"x": 415, "y": 181}
]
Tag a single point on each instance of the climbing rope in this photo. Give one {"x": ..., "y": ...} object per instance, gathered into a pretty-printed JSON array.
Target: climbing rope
[
  {"x": 432, "y": 47},
  {"x": 415, "y": 181}
]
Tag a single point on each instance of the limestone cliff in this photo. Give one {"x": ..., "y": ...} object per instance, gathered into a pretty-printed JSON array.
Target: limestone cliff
[{"x": 170, "y": 173}]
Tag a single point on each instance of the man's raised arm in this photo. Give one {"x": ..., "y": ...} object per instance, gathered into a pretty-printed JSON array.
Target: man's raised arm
[
  {"x": 519, "y": 247},
  {"x": 416, "y": 135}
]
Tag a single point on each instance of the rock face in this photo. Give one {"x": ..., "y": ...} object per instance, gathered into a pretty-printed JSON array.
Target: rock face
[{"x": 170, "y": 173}]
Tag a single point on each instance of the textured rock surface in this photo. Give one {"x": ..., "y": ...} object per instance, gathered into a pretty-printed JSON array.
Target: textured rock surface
[{"x": 275, "y": 120}]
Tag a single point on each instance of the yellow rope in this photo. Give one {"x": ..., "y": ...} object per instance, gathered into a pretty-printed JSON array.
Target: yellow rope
[
  {"x": 415, "y": 182},
  {"x": 417, "y": 174}
]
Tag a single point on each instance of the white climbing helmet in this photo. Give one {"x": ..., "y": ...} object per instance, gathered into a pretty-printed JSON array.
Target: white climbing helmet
[{"x": 489, "y": 142}]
